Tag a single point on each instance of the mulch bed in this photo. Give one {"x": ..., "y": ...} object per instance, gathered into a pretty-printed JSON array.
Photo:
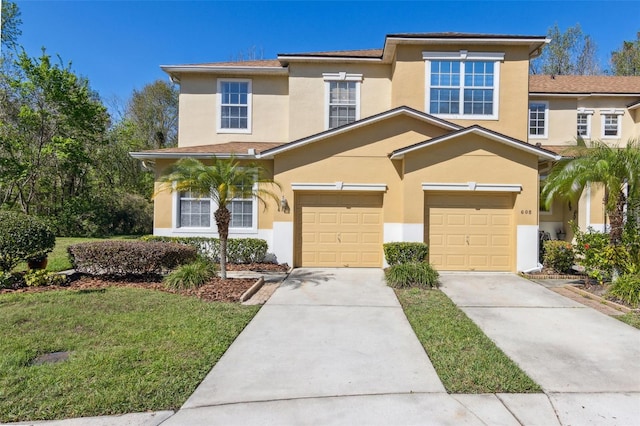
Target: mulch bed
[{"x": 216, "y": 290}]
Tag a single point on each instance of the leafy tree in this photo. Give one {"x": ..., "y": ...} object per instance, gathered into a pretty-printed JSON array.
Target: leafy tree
[
  {"x": 617, "y": 169},
  {"x": 571, "y": 52},
  {"x": 626, "y": 61},
  {"x": 153, "y": 111},
  {"x": 10, "y": 24},
  {"x": 222, "y": 181},
  {"x": 50, "y": 124}
]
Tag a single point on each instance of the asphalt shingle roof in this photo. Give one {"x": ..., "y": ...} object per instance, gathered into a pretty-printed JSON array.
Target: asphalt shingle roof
[{"x": 584, "y": 84}]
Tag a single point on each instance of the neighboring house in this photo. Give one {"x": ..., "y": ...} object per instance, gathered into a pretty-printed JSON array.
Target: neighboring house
[
  {"x": 565, "y": 107},
  {"x": 422, "y": 140}
]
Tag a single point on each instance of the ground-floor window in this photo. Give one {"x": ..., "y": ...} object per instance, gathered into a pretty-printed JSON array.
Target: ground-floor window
[{"x": 194, "y": 212}]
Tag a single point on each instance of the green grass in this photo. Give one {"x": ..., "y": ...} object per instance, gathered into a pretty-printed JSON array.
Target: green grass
[
  {"x": 132, "y": 350},
  {"x": 466, "y": 360},
  {"x": 632, "y": 318}
]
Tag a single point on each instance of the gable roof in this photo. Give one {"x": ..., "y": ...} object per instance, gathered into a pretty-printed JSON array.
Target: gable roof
[
  {"x": 478, "y": 130},
  {"x": 584, "y": 85},
  {"x": 221, "y": 150},
  {"x": 403, "y": 110}
]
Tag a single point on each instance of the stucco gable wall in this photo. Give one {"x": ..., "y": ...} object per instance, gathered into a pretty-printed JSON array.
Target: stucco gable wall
[
  {"x": 409, "y": 83},
  {"x": 307, "y": 93},
  {"x": 198, "y": 112},
  {"x": 471, "y": 158}
]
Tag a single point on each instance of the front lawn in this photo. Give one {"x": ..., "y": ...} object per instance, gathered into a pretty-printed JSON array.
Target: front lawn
[
  {"x": 631, "y": 318},
  {"x": 466, "y": 360},
  {"x": 131, "y": 350}
]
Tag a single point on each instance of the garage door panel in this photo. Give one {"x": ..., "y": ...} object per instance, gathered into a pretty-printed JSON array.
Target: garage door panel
[
  {"x": 470, "y": 232},
  {"x": 347, "y": 229}
]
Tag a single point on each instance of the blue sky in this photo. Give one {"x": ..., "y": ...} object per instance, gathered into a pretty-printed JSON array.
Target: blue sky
[{"x": 119, "y": 45}]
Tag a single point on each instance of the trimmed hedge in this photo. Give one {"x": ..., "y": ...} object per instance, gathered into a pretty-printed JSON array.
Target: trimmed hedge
[
  {"x": 399, "y": 252},
  {"x": 23, "y": 238},
  {"x": 412, "y": 274},
  {"x": 239, "y": 250},
  {"x": 122, "y": 258}
]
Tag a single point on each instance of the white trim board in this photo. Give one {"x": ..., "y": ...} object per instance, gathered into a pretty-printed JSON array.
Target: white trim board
[
  {"x": 472, "y": 186},
  {"x": 339, "y": 186}
]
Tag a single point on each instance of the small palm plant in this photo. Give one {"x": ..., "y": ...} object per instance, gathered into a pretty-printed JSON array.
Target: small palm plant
[{"x": 222, "y": 181}]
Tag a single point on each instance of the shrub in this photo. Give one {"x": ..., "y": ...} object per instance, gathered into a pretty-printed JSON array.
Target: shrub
[
  {"x": 558, "y": 255},
  {"x": 10, "y": 280},
  {"x": 239, "y": 250},
  {"x": 627, "y": 289},
  {"x": 122, "y": 258},
  {"x": 41, "y": 278},
  {"x": 412, "y": 274},
  {"x": 23, "y": 238},
  {"x": 191, "y": 275},
  {"x": 398, "y": 253},
  {"x": 246, "y": 250}
]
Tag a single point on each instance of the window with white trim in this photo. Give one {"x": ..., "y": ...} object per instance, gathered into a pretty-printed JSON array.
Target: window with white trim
[
  {"x": 462, "y": 84},
  {"x": 194, "y": 212},
  {"x": 234, "y": 106},
  {"x": 242, "y": 213},
  {"x": 611, "y": 125},
  {"x": 342, "y": 98},
  {"x": 538, "y": 119},
  {"x": 583, "y": 124}
]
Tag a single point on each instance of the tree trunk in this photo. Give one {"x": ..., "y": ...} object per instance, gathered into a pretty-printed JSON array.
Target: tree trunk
[
  {"x": 223, "y": 217},
  {"x": 616, "y": 217}
]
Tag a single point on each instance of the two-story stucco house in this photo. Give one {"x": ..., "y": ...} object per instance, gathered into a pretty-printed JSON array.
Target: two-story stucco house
[
  {"x": 424, "y": 140},
  {"x": 563, "y": 108}
]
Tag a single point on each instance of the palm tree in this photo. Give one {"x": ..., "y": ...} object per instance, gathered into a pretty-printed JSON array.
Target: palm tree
[
  {"x": 617, "y": 169},
  {"x": 222, "y": 181}
]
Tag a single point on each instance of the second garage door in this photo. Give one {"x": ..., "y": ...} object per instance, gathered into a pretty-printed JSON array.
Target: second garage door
[
  {"x": 339, "y": 230},
  {"x": 470, "y": 232}
]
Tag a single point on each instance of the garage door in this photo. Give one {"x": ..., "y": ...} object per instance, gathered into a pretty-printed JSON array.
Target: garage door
[
  {"x": 339, "y": 230},
  {"x": 470, "y": 232}
]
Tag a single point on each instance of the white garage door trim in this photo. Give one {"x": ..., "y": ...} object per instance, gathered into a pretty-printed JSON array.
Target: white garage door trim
[
  {"x": 473, "y": 186},
  {"x": 339, "y": 186}
]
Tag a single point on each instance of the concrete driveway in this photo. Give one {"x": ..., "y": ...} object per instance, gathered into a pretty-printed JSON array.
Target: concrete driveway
[
  {"x": 331, "y": 346},
  {"x": 583, "y": 359}
]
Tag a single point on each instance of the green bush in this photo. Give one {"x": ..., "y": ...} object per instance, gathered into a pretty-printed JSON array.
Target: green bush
[
  {"x": 42, "y": 277},
  {"x": 120, "y": 258},
  {"x": 191, "y": 275},
  {"x": 398, "y": 252},
  {"x": 239, "y": 250},
  {"x": 558, "y": 255},
  {"x": 413, "y": 274},
  {"x": 11, "y": 279},
  {"x": 23, "y": 238},
  {"x": 627, "y": 289}
]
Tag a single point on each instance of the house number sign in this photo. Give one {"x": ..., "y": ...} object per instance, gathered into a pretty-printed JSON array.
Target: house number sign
[{"x": 526, "y": 211}]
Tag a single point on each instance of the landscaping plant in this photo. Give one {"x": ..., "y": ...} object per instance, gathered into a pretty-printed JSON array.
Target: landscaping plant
[
  {"x": 412, "y": 274},
  {"x": 627, "y": 289},
  {"x": 558, "y": 255},
  {"x": 23, "y": 238},
  {"x": 191, "y": 275}
]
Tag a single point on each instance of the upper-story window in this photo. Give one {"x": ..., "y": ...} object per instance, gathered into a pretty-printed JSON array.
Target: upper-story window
[
  {"x": 611, "y": 123},
  {"x": 583, "y": 123},
  {"x": 538, "y": 119},
  {"x": 463, "y": 84},
  {"x": 234, "y": 106},
  {"x": 342, "y": 98}
]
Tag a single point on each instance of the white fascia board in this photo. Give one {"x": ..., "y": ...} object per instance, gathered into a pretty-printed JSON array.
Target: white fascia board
[
  {"x": 583, "y": 95},
  {"x": 472, "y": 186},
  {"x": 339, "y": 186},
  {"x": 471, "y": 40},
  {"x": 169, "y": 69},
  {"x": 355, "y": 125},
  {"x": 532, "y": 149},
  {"x": 176, "y": 155},
  {"x": 326, "y": 59}
]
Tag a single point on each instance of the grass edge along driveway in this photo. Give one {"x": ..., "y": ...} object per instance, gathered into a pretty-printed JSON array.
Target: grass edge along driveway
[
  {"x": 466, "y": 360},
  {"x": 131, "y": 350}
]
